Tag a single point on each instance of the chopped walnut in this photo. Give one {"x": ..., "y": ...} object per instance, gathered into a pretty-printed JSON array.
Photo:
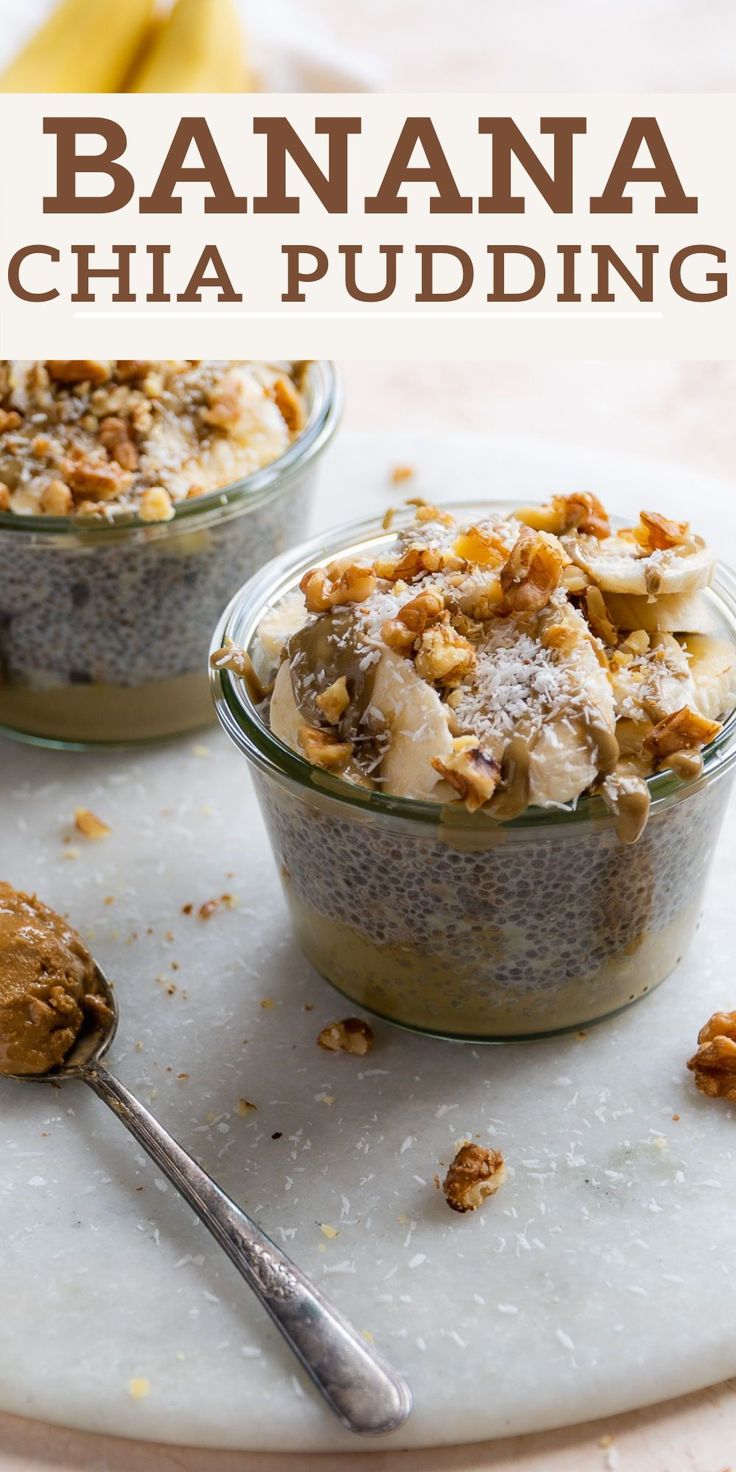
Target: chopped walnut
[
  {"x": 475, "y": 1174},
  {"x": 334, "y": 701},
  {"x": 78, "y": 370},
  {"x": 322, "y": 750},
  {"x": 93, "y": 479},
  {"x": 444, "y": 656},
  {"x": 599, "y": 618},
  {"x": 422, "y": 610},
  {"x": 401, "y": 473},
  {"x": 90, "y": 825},
  {"x": 684, "y": 730},
  {"x": 532, "y": 572},
  {"x": 289, "y": 404},
  {"x": 352, "y": 1035},
  {"x": 56, "y": 499},
  {"x": 9, "y": 420},
  {"x": 351, "y": 584},
  {"x": 115, "y": 436},
  {"x": 714, "y": 1064},
  {"x": 156, "y": 504},
  {"x": 4, "y": 497},
  {"x": 397, "y": 636},
  {"x": 474, "y": 775},
  {"x": 581, "y": 512},
  {"x": 433, "y": 513},
  {"x": 659, "y": 532},
  {"x": 563, "y": 637}
]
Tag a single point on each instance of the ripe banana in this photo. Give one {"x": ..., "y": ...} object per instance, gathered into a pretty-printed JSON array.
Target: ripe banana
[
  {"x": 84, "y": 46},
  {"x": 618, "y": 565},
  {"x": 673, "y": 613},
  {"x": 564, "y": 759},
  {"x": 417, "y": 721},
  {"x": 713, "y": 672},
  {"x": 275, "y": 629},
  {"x": 656, "y": 684},
  {"x": 199, "y": 48},
  {"x": 284, "y": 713}
]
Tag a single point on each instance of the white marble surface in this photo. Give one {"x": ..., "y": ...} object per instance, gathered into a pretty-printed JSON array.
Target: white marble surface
[{"x": 599, "y": 1279}]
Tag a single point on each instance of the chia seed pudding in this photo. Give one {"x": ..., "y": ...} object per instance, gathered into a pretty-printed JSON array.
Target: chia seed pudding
[
  {"x": 493, "y": 748},
  {"x": 132, "y": 495}
]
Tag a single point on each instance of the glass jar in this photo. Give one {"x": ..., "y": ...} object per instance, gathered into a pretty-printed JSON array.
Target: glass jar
[
  {"x": 457, "y": 924},
  {"x": 104, "y": 626}
]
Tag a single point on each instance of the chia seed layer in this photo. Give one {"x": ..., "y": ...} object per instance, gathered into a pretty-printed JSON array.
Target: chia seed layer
[{"x": 535, "y": 932}]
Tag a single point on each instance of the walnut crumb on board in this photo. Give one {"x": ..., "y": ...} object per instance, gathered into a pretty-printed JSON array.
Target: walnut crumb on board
[
  {"x": 89, "y": 824},
  {"x": 714, "y": 1064},
  {"x": 352, "y": 1035},
  {"x": 476, "y": 1173}
]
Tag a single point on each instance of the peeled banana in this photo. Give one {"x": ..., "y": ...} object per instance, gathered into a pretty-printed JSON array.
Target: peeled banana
[
  {"x": 673, "y": 613},
  {"x": 616, "y": 565},
  {"x": 713, "y": 673},
  {"x": 84, "y": 46},
  {"x": 564, "y": 760},
  {"x": 199, "y": 48},
  {"x": 417, "y": 721}
]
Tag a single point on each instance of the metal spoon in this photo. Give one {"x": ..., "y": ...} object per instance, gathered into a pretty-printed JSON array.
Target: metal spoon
[{"x": 366, "y": 1394}]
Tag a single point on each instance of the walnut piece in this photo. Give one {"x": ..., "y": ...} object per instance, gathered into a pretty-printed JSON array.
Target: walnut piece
[
  {"x": 581, "y": 512},
  {"x": 531, "y": 572},
  {"x": 115, "y": 436},
  {"x": 684, "y": 730},
  {"x": 714, "y": 1064},
  {"x": 444, "y": 657},
  {"x": 155, "y": 504},
  {"x": 401, "y": 633},
  {"x": 322, "y": 750},
  {"x": 325, "y": 588},
  {"x": 56, "y": 499},
  {"x": 89, "y": 824},
  {"x": 352, "y": 1035},
  {"x": 474, "y": 775},
  {"x": 475, "y": 1174},
  {"x": 289, "y": 404},
  {"x": 334, "y": 701},
  {"x": 659, "y": 532},
  {"x": 79, "y": 370}
]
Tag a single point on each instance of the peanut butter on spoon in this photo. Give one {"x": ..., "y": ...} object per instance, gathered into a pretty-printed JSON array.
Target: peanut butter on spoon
[{"x": 48, "y": 985}]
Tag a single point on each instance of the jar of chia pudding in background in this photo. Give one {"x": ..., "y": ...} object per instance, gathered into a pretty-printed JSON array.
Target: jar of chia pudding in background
[
  {"x": 452, "y": 922},
  {"x": 105, "y": 618}
]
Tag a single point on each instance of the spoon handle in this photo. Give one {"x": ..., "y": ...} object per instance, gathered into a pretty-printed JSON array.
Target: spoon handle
[{"x": 365, "y": 1393}]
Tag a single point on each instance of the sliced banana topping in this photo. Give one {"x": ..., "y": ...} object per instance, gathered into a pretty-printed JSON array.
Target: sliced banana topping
[
  {"x": 713, "y": 674},
  {"x": 509, "y": 662},
  {"x": 620, "y": 564}
]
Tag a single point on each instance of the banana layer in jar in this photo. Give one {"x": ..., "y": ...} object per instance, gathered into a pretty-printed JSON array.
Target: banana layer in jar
[{"x": 522, "y": 661}]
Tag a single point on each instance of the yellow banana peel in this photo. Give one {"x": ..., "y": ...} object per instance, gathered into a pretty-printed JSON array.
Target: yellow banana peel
[
  {"x": 84, "y": 46},
  {"x": 198, "y": 48}
]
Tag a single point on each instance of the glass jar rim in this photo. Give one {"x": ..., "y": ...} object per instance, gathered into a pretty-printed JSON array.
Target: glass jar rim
[
  {"x": 241, "y": 722},
  {"x": 325, "y": 410}
]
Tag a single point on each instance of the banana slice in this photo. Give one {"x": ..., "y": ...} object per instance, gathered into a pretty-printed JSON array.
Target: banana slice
[
  {"x": 568, "y": 751},
  {"x": 673, "y": 613},
  {"x": 417, "y": 721},
  {"x": 618, "y": 565},
  {"x": 656, "y": 683},
  {"x": 276, "y": 628},
  {"x": 713, "y": 672},
  {"x": 283, "y": 710}
]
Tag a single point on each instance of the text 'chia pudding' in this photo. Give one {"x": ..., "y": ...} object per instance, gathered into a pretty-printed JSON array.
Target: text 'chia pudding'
[
  {"x": 123, "y": 492},
  {"x": 543, "y": 695}
]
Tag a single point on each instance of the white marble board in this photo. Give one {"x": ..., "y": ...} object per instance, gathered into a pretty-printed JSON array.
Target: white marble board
[{"x": 602, "y": 1277}]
